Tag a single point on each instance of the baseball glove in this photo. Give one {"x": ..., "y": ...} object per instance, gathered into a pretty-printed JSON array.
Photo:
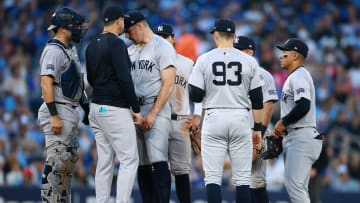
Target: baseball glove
[
  {"x": 273, "y": 147},
  {"x": 195, "y": 138}
]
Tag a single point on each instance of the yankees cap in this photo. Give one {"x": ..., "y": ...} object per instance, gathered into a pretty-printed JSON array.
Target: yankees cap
[
  {"x": 164, "y": 29},
  {"x": 294, "y": 44},
  {"x": 133, "y": 17},
  {"x": 112, "y": 13},
  {"x": 243, "y": 42},
  {"x": 223, "y": 25}
]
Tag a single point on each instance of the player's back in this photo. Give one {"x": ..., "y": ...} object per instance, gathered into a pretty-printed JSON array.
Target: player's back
[{"x": 228, "y": 76}]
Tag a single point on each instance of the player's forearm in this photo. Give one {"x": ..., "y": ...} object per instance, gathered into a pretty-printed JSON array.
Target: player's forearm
[
  {"x": 163, "y": 96},
  {"x": 258, "y": 115},
  {"x": 267, "y": 113}
]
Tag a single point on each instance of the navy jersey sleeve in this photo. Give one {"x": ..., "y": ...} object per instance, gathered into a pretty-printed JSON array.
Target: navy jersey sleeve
[{"x": 122, "y": 71}]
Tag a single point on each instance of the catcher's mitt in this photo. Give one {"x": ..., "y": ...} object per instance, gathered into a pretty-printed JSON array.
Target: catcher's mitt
[
  {"x": 273, "y": 147},
  {"x": 195, "y": 138}
]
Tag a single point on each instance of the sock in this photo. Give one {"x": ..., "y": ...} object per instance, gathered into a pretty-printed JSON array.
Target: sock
[
  {"x": 146, "y": 184},
  {"x": 243, "y": 194},
  {"x": 213, "y": 193},
  {"x": 163, "y": 180},
  {"x": 259, "y": 195},
  {"x": 45, "y": 174},
  {"x": 182, "y": 183}
]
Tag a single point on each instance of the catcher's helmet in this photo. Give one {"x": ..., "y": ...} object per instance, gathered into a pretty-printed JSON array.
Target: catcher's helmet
[{"x": 70, "y": 20}]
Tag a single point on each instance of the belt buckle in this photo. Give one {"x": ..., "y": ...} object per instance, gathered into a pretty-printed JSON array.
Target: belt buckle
[
  {"x": 178, "y": 117},
  {"x": 141, "y": 100}
]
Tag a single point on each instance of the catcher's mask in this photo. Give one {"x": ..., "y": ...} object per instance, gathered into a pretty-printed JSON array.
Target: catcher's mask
[{"x": 70, "y": 20}]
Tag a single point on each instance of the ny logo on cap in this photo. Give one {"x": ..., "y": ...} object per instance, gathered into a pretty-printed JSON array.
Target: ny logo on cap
[
  {"x": 295, "y": 48},
  {"x": 228, "y": 29},
  {"x": 160, "y": 28}
]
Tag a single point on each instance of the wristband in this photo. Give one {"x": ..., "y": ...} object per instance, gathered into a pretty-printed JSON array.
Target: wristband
[
  {"x": 257, "y": 126},
  {"x": 52, "y": 108}
]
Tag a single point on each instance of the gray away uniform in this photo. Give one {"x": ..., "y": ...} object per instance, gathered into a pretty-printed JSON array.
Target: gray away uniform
[
  {"x": 301, "y": 147},
  {"x": 258, "y": 170},
  {"x": 226, "y": 75},
  {"x": 147, "y": 62},
  {"x": 179, "y": 143},
  {"x": 61, "y": 150}
]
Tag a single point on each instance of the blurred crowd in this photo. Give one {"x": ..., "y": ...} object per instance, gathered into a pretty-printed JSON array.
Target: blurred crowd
[{"x": 330, "y": 28}]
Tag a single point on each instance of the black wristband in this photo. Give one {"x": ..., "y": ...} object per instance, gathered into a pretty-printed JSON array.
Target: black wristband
[
  {"x": 263, "y": 130},
  {"x": 257, "y": 126},
  {"x": 52, "y": 108}
]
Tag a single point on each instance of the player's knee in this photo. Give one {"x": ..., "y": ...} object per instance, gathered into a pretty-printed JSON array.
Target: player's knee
[
  {"x": 180, "y": 170},
  {"x": 213, "y": 179}
]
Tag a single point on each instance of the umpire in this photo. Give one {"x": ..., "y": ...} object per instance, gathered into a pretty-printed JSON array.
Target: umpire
[{"x": 113, "y": 107}]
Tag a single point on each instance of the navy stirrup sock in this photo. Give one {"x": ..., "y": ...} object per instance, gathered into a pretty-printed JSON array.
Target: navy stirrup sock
[
  {"x": 163, "y": 180},
  {"x": 213, "y": 193},
  {"x": 146, "y": 184},
  {"x": 259, "y": 195},
  {"x": 243, "y": 194},
  {"x": 182, "y": 183}
]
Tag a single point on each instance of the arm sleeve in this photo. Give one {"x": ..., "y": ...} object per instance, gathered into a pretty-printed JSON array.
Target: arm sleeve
[
  {"x": 196, "y": 94},
  {"x": 122, "y": 70},
  {"x": 301, "y": 108},
  {"x": 89, "y": 75},
  {"x": 256, "y": 98}
]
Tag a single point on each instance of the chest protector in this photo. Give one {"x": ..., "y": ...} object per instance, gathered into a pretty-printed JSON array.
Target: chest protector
[{"x": 71, "y": 78}]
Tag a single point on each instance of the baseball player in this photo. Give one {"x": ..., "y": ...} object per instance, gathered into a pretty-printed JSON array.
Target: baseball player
[
  {"x": 224, "y": 78},
  {"x": 258, "y": 170},
  {"x": 153, "y": 72},
  {"x": 179, "y": 142},
  {"x": 302, "y": 143},
  {"x": 108, "y": 68},
  {"x": 62, "y": 90}
]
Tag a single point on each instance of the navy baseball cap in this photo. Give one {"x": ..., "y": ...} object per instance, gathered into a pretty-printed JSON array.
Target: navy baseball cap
[
  {"x": 112, "y": 13},
  {"x": 223, "y": 25},
  {"x": 294, "y": 44},
  {"x": 242, "y": 42},
  {"x": 132, "y": 18},
  {"x": 164, "y": 29}
]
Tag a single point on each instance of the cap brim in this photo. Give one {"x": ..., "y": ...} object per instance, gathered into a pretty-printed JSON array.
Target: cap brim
[
  {"x": 283, "y": 48},
  {"x": 212, "y": 31},
  {"x": 51, "y": 27}
]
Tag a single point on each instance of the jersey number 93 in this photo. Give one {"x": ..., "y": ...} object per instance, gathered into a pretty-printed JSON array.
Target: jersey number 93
[{"x": 227, "y": 73}]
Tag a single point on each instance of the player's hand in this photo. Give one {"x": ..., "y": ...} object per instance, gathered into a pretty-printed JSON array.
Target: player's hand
[
  {"x": 148, "y": 121},
  {"x": 56, "y": 124},
  {"x": 193, "y": 122},
  {"x": 279, "y": 129},
  {"x": 137, "y": 117}
]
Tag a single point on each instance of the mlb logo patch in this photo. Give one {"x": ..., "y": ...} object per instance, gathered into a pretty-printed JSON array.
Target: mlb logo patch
[
  {"x": 272, "y": 92},
  {"x": 300, "y": 90},
  {"x": 50, "y": 67}
]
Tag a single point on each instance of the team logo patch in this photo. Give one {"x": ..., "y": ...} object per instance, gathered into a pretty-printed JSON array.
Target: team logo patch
[
  {"x": 50, "y": 67},
  {"x": 298, "y": 91},
  {"x": 272, "y": 92},
  {"x": 284, "y": 96}
]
